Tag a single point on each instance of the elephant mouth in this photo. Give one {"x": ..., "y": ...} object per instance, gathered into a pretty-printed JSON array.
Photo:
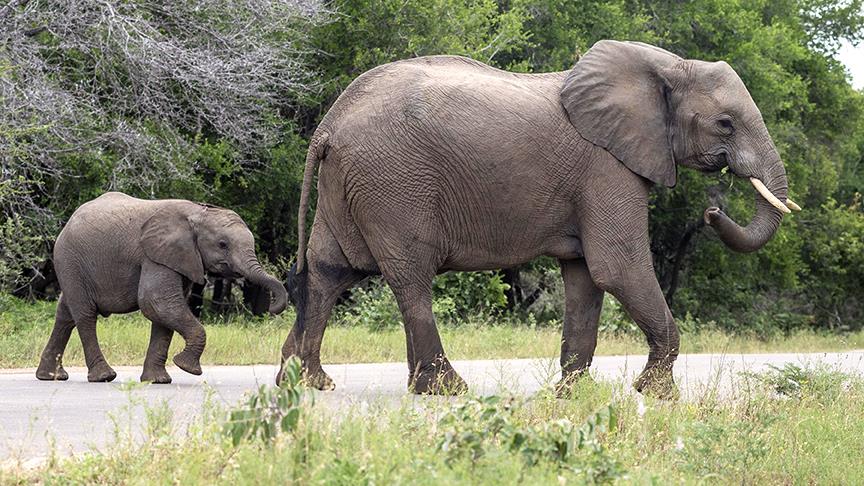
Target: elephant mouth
[{"x": 223, "y": 270}]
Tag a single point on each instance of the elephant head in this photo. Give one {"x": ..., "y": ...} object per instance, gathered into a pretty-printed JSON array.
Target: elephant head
[
  {"x": 193, "y": 239},
  {"x": 652, "y": 109}
]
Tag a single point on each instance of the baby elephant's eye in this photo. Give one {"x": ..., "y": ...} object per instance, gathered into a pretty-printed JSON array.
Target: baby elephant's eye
[
  {"x": 223, "y": 244},
  {"x": 725, "y": 124}
]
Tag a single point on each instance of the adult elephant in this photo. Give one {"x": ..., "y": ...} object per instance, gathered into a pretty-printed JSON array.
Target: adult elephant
[
  {"x": 118, "y": 254},
  {"x": 443, "y": 163}
]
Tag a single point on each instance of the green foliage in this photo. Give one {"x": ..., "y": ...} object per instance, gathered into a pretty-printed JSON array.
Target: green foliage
[
  {"x": 455, "y": 297},
  {"x": 471, "y": 292},
  {"x": 728, "y": 448},
  {"x": 833, "y": 250},
  {"x": 804, "y": 381},
  {"x": 809, "y": 276},
  {"x": 474, "y": 428},
  {"x": 372, "y": 306},
  {"x": 269, "y": 411},
  {"x": 21, "y": 247}
]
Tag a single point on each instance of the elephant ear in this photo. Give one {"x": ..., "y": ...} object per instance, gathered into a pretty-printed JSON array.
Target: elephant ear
[
  {"x": 168, "y": 238},
  {"x": 616, "y": 97}
]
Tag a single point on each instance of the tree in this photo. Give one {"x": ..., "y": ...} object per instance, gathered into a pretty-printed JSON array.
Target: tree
[{"x": 152, "y": 98}]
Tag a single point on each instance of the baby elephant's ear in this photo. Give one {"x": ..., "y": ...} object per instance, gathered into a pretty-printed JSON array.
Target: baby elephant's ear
[{"x": 168, "y": 239}]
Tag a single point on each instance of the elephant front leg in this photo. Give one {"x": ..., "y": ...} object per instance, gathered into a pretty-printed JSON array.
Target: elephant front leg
[
  {"x": 639, "y": 293},
  {"x": 617, "y": 251},
  {"x": 161, "y": 298},
  {"x": 583, "y": 303},
  {"x": 157, "y": 355}
]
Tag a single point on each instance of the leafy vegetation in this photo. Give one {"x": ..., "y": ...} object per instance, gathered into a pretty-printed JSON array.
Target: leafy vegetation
[
  {"x": 270, "y": 411},
  {"x": 603, "y": 437},
  {"x": 125, "y": 95}
]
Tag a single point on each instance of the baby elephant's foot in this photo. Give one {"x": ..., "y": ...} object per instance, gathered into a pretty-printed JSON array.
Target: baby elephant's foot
[
  {"x": 156, "y": 376},
  {"x": 188, "y": 362},
  {"x": 101, "y": 373},
  {"x": 438, "y": 378},
  {"x": 47, "y": 372}
]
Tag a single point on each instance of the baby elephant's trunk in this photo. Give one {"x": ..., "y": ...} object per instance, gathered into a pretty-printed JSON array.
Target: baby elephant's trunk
[{"x": 255, "y": 274}]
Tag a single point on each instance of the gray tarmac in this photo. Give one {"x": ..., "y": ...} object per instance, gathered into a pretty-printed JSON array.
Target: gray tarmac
[{"x": 75, "y": 416}]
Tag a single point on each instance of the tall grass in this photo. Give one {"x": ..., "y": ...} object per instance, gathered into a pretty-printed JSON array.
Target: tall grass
[{"x": 25, "y": 327}]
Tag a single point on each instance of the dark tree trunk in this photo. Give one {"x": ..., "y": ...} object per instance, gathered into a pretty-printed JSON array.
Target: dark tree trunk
[
  {"x": 196, "y": 298},
  {"x": 222, "y": 298},
  {"x": 256, "y": 298},
  {"x": 514, "y": 293},
  {"x": 680, "y": 255}
]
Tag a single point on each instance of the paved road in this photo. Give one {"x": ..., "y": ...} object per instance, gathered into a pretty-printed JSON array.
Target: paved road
[{"x": 76, "y": 416}]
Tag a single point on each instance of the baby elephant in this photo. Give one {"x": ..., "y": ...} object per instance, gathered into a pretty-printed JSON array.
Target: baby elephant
[{"x": 118, "y": 254}]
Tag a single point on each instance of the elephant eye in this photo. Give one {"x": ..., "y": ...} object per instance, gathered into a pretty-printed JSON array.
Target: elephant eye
[
  {"x": 223, "y": 244},
  {"x": 725, "y": 124}
]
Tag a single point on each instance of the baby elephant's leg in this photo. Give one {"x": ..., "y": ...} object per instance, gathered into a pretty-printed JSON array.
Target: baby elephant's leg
[
  {"x": 162, "y": 300},
  {"x": 157, "y": 354}
]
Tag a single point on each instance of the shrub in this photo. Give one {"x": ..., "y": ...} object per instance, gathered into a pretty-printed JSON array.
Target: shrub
[
  {"x": 269, "y": 411},
  {"x": 474, "y": 428}
]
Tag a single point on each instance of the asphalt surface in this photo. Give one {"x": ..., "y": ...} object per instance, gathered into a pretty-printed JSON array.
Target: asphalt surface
[{"x": 75, "y": 416}]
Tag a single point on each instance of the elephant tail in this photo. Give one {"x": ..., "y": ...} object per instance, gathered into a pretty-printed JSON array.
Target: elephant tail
[{"x": 317, "y": 151}]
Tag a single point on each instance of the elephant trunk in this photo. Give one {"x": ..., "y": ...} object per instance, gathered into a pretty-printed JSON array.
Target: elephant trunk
[
  {"x": 771, "y": 193},
  {"x": 255, "y": 274}
]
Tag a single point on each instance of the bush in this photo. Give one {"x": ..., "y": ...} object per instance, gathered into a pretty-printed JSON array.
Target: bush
[
  {"x": 269, "y": 411},
  {"x": 476, "y": 427},
  {"x": 472, "y": 292},
  {"x": 455, "y": 297},
  {"x": 21, "y": 246}
]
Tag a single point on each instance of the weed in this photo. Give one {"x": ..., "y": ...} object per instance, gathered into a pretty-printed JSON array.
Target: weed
[
  {"x": 269, "y": 411},
  {"x": 797, "y": 381}
]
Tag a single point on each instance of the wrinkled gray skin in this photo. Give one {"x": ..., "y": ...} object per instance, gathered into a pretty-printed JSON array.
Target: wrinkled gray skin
[
  {"x": 442, "y": 163},
  {"x": 118, "y": 254}
]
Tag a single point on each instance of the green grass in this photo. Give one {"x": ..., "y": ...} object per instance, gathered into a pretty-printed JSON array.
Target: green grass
[
  {"x": 771, "y": 434},
  {"x": 25, "y": 327}
]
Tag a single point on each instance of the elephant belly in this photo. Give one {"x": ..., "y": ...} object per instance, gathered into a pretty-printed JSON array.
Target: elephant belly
[
  {"x": 476, "y": 259},
  {"x": 121, "y": 298}
]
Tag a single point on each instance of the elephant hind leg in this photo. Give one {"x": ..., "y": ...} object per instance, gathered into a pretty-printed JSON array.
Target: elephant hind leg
[
  {"x": 429, "y": 371},
  {"x": 583, "y": 303},
  {"x": 315, "y": 291},
  {"x": 51, "y": 362},
  {"x": 98, "y": 369}
]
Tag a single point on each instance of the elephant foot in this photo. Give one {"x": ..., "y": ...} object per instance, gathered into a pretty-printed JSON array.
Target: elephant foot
[
  {"x": 566, "y": 387},
  {"x": 319, "y": 380},
  {"x": 657, "y": 382},
  {"x": 188, "y": 362},
  {"x": 51, "y": 373},
  {"x": 156, "y": 376},
  {"x": 101, "y": 373},
  {"x": 438, "y": 378}
]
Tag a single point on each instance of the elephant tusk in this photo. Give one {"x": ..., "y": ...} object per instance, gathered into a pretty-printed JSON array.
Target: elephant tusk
[
  {"x": 771, "y": 198},
  {"x": 791, "y": 205}
]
